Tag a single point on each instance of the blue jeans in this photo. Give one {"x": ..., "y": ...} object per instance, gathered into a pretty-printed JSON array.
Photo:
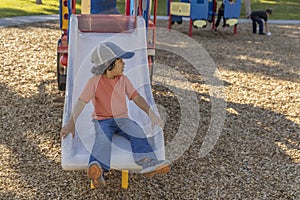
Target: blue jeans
[
  {"x": 260, "y": 24},
  {"x": 105, "y": 129}
]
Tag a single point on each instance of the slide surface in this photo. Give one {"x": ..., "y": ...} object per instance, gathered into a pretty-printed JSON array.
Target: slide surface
[{"x": 76, "y": 151}]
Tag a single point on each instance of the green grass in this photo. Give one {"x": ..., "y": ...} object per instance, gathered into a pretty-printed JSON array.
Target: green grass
[
  {"x": 11, "y": 8},
  {"x": 282, "y": 9}
]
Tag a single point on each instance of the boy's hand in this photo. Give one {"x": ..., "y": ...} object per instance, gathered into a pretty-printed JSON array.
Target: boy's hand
[
  {"x": 155, "y": 119},
  {"x": 68, "y": 128}
]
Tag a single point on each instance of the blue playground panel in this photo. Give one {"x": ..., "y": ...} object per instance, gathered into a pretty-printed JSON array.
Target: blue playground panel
[
  {"x": 199, "y": 10},
  {"x": 211, "y": 11},
  {"x": 106, "y": 7},
  {"x": 232, "y": 10},
  {"x": 132, "y": 8}
]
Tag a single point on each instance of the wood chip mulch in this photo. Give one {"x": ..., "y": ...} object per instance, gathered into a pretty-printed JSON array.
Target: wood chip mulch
[{"x": 256, "y": 157}]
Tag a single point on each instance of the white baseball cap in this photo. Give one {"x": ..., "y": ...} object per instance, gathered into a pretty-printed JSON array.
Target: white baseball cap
[{"x": 104, "y": 54}]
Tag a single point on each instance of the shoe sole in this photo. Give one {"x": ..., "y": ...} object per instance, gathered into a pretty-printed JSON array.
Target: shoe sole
[
  {"x": 164, "y": 169},
  {"x": 94, "y": 172}
]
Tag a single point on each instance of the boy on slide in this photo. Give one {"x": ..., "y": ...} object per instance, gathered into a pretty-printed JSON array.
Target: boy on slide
[{"x": 107, "y": 90}]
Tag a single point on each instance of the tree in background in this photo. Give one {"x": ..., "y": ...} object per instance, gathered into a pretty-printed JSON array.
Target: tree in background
[
  {"x": 38, "y": 2},
  {"x": 247, "y": 4}
]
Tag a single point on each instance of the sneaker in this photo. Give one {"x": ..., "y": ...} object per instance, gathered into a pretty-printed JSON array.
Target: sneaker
[
  {"x": 95, "y": 174},
  {"x": 262, "y": 34},
  {"x": 152, "y": 167}
]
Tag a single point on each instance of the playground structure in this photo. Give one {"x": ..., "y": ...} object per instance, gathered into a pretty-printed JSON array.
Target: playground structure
[
  {"x": 202, "y": 12},
  {"x": 81, "y": 34},
  {"x": 103, "y": 7}
]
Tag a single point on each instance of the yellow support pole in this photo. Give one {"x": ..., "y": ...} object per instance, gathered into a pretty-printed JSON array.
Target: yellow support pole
[
  {"x": 64, "y": 14},
  {"x": 124, "y": 179},
  {"x": 92, "y": 185}
]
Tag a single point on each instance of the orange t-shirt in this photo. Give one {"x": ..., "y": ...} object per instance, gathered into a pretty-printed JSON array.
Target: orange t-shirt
[{"x": 108, "y": 96}]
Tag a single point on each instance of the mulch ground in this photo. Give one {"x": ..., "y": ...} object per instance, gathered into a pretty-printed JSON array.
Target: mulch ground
[{"x": 257, "y": 155}]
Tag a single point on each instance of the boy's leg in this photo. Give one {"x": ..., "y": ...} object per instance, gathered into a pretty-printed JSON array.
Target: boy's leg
[
  {"x": 101, "y": 150},
  {"x": 138, "y": 140},
  {"x": 253, "y": 26},
  {"x": 142, "y": 151},
  {"x": 100, "y": 156},
  {"x": 224, "y": 22},
  {"x": 218, "y": 18},
  {"x": 254, "y": 21},
  {"x": 261, "y": 26}
]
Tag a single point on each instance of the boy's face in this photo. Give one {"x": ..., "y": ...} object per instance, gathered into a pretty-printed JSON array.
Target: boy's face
[{"x": 118, "y": 68}]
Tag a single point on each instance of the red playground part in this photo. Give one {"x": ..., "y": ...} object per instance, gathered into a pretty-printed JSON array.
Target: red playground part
[{"x": 106, "y": 23}]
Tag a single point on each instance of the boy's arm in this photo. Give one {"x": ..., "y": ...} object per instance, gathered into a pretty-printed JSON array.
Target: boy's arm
[
  {"x": 267, "y": 27},
  {"x": 142, "y": 104},
  {"x": 70, "y": 126}
]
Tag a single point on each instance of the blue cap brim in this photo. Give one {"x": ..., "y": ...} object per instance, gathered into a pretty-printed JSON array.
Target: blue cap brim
[{"x": 127, "y": 55}]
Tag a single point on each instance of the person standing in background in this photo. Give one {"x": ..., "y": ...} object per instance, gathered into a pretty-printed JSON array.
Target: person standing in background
[{"x": 221, "y": 15}]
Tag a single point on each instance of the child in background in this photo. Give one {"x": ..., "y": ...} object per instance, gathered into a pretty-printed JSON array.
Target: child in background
[
  {"x": 256, "y": 17},
  {"x": 221, "y": 15}
]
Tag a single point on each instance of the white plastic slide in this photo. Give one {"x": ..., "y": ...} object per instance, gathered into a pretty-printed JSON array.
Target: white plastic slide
[{"x": 76, "y": 151}]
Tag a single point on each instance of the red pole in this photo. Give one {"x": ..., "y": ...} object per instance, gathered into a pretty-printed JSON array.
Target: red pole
[
  {"x": 235, "y": 29},
  {"x": 73, "y": 6},
  {"x": 191, "y": 27},
  {"x": 214, "y": 12},
  {"x": 127, "y": 7},
  {"x": 140, "y": 7},
  {"x": 155, "y": 11}
]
